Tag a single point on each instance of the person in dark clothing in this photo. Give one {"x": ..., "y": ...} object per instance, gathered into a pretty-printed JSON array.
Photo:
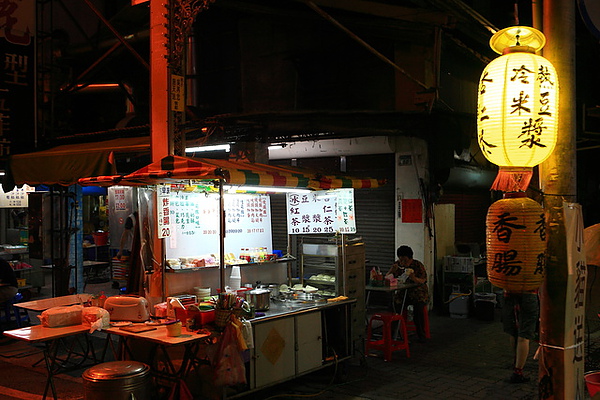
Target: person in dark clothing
[
  {"x": 8, "y": 281},
  {"x": 126, "y": 242},
  {"x": 520, "y": 315},
  {"x": 417, "y": 296}
]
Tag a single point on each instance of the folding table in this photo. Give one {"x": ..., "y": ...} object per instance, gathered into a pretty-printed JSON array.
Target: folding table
[
  {"x": 51, "y": 338},
  {"x": 160, "y": 342}
]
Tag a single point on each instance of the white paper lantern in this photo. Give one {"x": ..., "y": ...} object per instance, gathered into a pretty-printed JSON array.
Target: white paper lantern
[{"x": 517, "y": 111}]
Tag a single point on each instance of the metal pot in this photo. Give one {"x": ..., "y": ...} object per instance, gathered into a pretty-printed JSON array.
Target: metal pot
[
  {"x": 118, "y": 380},
  {"x": 259, "y": 298}
]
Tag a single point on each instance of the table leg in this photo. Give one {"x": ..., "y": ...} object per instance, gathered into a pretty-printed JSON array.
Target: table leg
[
  {"x": 401, "y": 311},
  {"x": 403, "y": 301},
  {"x": 367, "y": 306},
  {"x": 50, "y": 350}
]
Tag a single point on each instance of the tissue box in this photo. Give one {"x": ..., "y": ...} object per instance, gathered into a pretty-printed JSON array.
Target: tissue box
[{"x": 391, "y": 282}]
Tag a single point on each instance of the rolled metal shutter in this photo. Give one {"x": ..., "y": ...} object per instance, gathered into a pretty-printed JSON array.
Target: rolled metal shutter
[
  {"x": 374, "y": 210},
  {"x": 375, "y": 224}
]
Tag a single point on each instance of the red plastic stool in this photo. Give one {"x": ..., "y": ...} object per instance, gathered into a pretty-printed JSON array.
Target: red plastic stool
[
  {"x": 387, "y": 343},
  {"x": 410, "y": 325}
]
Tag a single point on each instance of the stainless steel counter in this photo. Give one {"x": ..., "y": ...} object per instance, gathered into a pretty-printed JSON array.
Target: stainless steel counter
[{"x": 278, "y": 309}]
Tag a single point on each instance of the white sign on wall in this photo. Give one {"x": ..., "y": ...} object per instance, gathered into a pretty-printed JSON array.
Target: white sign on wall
[
  {"x": 16, "y": 198},
  {"x": 345, "y": 210},
  {"x": 321, "y": 212},
  {"x": 195, "y": 223}
]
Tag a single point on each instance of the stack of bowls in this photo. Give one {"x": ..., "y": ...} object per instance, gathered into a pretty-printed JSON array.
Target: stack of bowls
[{"x": 202, "y": 292}]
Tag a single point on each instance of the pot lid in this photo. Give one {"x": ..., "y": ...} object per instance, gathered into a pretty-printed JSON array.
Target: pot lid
[
  {"x": 259, "y": 291},
  {"x": 116, "y": 369}
]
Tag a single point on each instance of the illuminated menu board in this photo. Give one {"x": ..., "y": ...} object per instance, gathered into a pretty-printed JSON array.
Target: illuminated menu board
[
  {"x": 321, "y": 212},
  {"x": 194, "y": 223}
]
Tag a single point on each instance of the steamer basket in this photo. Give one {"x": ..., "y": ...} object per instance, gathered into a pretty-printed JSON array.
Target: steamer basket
[{"x": 117, "y": 380}]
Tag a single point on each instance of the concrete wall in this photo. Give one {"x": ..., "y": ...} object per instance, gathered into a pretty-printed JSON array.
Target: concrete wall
[
  {"x": 412, "y": 177},
  {"x": 411, "y": 169}
]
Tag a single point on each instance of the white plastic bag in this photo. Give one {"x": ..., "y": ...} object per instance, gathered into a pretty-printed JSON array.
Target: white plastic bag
[{"x": 96, "y": 318}]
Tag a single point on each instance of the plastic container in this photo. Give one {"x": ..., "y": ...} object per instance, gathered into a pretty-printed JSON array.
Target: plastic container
[
  {"x": 174, "y": 329},
  {"x": 201, "y": 318},
  {"x": 592, "y": 382},
  {"x": 235, "y": 279},
  {"x": 459, "y": 305},
  {"x": 100, "y": 238}
]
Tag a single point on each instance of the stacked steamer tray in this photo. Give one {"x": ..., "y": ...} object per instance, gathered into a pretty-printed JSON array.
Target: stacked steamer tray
[
  {"x": 202, "y": 293},
  {"x": 120, "y": 269}
]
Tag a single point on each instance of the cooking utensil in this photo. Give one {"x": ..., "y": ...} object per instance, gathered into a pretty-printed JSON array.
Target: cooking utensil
[{"x": 259, "y": 298}]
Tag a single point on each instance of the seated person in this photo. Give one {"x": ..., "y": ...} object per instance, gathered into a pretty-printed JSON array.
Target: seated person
[{"x": 417, "y": 296}]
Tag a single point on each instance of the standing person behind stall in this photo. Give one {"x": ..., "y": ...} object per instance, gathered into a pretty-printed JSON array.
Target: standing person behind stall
[
  {"x": 520, "y": 316},
  {"x": 130, "y": 246},
  {"x": 417, "y": 296},
  {"x": 8, "y": 281},
  {"x": 126, "y": 242}
]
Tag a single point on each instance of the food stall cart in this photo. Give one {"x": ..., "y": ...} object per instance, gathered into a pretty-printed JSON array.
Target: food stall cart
[{"x": 286, "y": 343}]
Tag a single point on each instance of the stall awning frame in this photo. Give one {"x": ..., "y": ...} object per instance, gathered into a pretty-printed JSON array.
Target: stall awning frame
[
  {"x": 173, "y": 169},
  {"x": 65, "y": 165}
]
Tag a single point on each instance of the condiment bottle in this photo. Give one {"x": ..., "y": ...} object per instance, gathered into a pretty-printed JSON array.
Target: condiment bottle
[{"x": 101, "y": 299}]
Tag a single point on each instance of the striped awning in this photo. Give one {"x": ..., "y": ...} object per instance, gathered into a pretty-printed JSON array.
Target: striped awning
[
  {"x": 341, "y": 182},
  {"x": 66, "y": 164},
  {"x": 172, "y": 169}
]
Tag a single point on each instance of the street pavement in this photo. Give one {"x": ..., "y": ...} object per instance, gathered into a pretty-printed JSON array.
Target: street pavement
[{"x": 465, "y": 359}]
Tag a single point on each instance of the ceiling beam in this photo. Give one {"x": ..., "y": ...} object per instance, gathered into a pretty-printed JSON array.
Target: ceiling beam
[{"x": 378, "y": 9}]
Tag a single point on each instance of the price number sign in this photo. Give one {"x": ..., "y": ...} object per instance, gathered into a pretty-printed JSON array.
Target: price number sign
[{"x": 163, "y": 209}]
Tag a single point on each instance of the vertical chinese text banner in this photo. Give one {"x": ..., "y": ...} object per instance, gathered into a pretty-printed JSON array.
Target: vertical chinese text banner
[{"x": 17, "y": 86}]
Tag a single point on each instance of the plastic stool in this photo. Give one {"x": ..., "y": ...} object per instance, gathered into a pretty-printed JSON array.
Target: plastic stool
[
  {"x": 10, "y": 310},
  {"x": 410, "y": 325},
  {"x": 387, "y": 343}
]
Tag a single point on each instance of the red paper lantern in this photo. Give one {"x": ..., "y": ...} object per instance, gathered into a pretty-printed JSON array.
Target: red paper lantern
[{"x": 516, "y": 243}]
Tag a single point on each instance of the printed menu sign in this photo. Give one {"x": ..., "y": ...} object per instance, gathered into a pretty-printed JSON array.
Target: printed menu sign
[
  {"x": 321, "y": 212},
  {"x": 16, "y": 198},
  {"x": 120, "y": 195},
  {"x": 164, "y": 210},
  {"x": 195, "y": 223},
  {"x": 345, "y": 210}
]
